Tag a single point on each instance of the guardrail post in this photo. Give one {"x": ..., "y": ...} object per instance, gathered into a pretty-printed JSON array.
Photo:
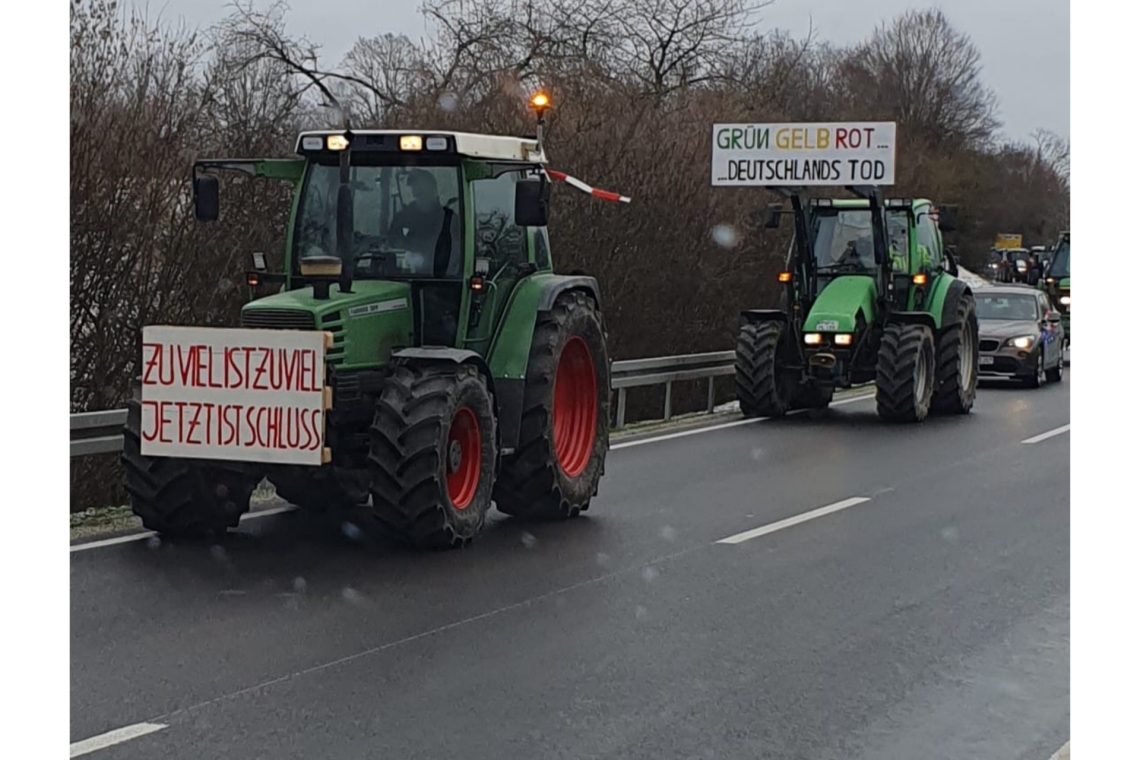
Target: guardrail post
[
  {"x": 668, "y": 400},
  {"x": 712, "y": 395},
  {"x": 621, "y": 409}
]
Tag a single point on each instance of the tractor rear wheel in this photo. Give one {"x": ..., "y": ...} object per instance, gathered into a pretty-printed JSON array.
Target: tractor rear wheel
[
  {"x": 904, "y": 379},
  {"x": 761, "y": 389},
  {"x": 431, "y": 456},
  {"x": 564, "y": 430},
  {"x": 181, "y": 498},
  {"x": 956, "y": 378}
]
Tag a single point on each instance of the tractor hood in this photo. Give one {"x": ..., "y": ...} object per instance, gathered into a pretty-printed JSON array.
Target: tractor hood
[
  {"x": 367, "y": 324},
  {"x": 840, "y": 302},
  {"x": 1064, "y": 283}
]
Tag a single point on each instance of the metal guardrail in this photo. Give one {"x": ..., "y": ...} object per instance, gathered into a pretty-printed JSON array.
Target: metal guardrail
[{"x": 102, "y": 432}]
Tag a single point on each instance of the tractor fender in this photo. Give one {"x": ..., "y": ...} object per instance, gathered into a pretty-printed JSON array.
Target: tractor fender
[
  {"x": 913, "y": 318},
  {"x": 444, "y": 354},
  {"x": 950, "y": 296},
  {"x": 758, "y": 316},
  {"x": 555, "y": 287}
]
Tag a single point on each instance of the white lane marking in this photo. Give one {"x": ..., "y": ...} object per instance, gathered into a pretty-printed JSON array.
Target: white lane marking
[
  {"x": 149, "y": 533},
  {"x": 1048, "y": 434},
  {"x": 111, "y": 738},
  {"x": 723, "y": 426},
  {"x": 764, "y": 530}
]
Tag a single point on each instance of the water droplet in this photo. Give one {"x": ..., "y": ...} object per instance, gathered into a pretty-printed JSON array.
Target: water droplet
[
  {"x": 225, "y": 286},
  {"x": 299, "y": 585},
  {"x": 669, "y": 533},
  {"x": 351, "y": 530},
  {"x": 950, "y": 534},
  {"x": 649, "y": 573},
  {"x": 603, "y": 559},
  {"x": 218, "y": 553},
  {"x": 352, "y": 596},
  {"x": 529, "y": 540},
  {"x": 448, "y": 101},
  {"x": 757, "y": 454},
  {"x": 725, "y": 235},
  {"x": 640, "y": 612},
  {"x": 153, "y": 542}
]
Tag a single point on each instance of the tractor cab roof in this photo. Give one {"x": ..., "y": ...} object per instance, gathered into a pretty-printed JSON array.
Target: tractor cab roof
[
  {"x": 481, "y": 147},
  {"x": 853, "y": 203}
]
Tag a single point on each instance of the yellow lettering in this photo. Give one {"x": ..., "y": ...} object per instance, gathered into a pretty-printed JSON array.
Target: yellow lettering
[
  {"x": 822, "y": 138},
  {"x": 798, "y": 139},
  {"x": 782, "y": 138}
]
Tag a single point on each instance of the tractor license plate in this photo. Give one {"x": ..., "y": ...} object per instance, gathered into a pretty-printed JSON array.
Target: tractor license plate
[{"x": 985, "y": 360}]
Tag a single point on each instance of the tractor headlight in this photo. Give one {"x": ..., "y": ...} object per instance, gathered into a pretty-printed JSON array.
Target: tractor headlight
[
  {"x": 843, "y": 339},
  {"x": 1064, "y": 300},
  {"x": 1022, "y": 341},
  {"x": 813, "y": 339},
  {"x": 336, "y": 142}
]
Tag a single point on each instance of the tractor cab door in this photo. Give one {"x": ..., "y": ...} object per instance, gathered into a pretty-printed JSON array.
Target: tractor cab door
[{"x": 502, "y": 250}]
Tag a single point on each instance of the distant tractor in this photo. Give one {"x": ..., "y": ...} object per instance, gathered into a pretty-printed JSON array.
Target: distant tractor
[
  {"x": 1056, "y": 282},
  {"x": 457, "y": 368},
  {"x": 869, "y": 295}
]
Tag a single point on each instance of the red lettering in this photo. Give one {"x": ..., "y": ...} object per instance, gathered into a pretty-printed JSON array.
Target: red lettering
[
  {"x": 166, "y": 361},
  {"x": 181, "y": 405},
  {"x": 309, "y": 369},
  {"x": 265, "y": 356},
  {"x": 150, "y": 363},
  {"x": 868, "y": 130},
  {"x": 315, "y": 421},
  {"x": 153, "y": 406},
  {"x": 841, "y": 137},
  {"x": 163, "y": 421},
  {"x": 187, "y": 357},
  {"x": 194, "y": 423},
  {"x": 246, "y": 379}
]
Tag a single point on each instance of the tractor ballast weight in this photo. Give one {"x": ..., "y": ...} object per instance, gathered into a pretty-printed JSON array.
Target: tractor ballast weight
[
  {"x": 898, "y": 318},
  {"x": 458, "y": 367}
]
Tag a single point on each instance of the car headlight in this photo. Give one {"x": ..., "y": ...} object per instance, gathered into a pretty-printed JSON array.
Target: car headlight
[
  {"x": 1022, "y": 341},
  {"x": 1064, "y": 300}
]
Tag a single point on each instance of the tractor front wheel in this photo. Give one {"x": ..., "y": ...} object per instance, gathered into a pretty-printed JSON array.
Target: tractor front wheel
[
  {"x": 904, "y": 378},
  {"x": 181, "y": 498},
  {"x": 431, "y": 456},
  {"x": 956, "y": 382},
  {"x": 760, "y": 387},
  {"x": 564, "y": 430}
]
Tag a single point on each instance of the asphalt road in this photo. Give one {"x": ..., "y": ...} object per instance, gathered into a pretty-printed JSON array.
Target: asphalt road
[{"x": 929, "y": 621}]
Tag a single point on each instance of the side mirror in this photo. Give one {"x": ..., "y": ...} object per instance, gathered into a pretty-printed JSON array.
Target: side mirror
[
  {"x": 772, "y": 216},
  {"x": 951, "y": 262},
  {"x": 532, "y": 202},
  {"x": 948, "y": 218},
  {"x": 206, "y": 198}
]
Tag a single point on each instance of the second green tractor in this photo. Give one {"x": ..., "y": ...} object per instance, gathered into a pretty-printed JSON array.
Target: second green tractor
[{"x": 869, "y": 295}]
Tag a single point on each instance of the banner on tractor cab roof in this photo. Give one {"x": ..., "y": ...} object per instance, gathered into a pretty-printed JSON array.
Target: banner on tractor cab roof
[
  {"x": 234, "y": 394},
  {"x": 1005, "y": 241},
  {"x": 773, "y": 155}
]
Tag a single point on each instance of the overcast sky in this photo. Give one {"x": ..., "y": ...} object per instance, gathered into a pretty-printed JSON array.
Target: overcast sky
[{"x": 1024, "y": 43}]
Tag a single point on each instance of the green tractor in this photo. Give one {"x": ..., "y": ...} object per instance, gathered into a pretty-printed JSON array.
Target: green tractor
[
  {"x": 870, "y": 295},
  {"x": 1056, "y": 283},
  {"x": 460, "y": 369}
]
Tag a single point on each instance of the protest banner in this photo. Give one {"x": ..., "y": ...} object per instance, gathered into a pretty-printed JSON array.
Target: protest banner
[
  {"x": 1006, "y": 241},
  {"x": 774, "y": 155},
  {"x": 235, "y": 394}
]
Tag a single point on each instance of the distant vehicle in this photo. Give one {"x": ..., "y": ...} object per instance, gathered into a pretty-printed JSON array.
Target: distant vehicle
[
  {"x": 1008, "y": 264},
  {"x": 1020, "y": 335}
]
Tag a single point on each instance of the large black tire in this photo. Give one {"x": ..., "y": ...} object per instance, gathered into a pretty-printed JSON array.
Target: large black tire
[
  {"x": 763, "y": 391},
  {"x": 325, "y": 489},
  {"x": 564, "y": 434},
  {"x": 181, "y": 498},
  {"x": 904, "y": 378},
  {"x": 431, "y": 456},
  {"x": 956, "y": 377}
]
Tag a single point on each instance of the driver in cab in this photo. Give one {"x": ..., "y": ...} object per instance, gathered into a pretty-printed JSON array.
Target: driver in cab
[{"x": 428, "y": 229}]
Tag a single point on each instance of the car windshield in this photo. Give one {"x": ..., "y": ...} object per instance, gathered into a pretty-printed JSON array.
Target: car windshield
[
  {"x": 406, "y": 220},
  {"x": 842, "y": 239},
  {"x": 1060, "y": 266},
  {"x": 1018, "y": 307}
]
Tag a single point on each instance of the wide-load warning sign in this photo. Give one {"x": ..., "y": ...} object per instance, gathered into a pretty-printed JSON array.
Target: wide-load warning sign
[
  {"x": 833, "y": 153},
  {"x": 234, "y": 394}
]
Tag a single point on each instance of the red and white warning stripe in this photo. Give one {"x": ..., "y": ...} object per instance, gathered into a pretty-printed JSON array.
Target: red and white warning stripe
[{"x": 605, "y": 195}]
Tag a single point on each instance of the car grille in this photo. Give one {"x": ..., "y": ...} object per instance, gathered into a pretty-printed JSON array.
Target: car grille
[
  {"x": 1002, "y": 365},
  {"x": 296, "y": 319},
  {"x": 988, "y": 345}
]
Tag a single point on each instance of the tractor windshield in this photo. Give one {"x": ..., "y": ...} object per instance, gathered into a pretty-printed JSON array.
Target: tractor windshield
[
  {"x": 843, "y": 242},
  {"x": 406, "y": 220},
  {"x": 1059, "y": 267}
]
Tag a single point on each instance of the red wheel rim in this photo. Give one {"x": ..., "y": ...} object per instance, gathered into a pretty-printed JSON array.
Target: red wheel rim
[
  {"x": 575, "y": 407},
  {"x": 464, "y": 457}
]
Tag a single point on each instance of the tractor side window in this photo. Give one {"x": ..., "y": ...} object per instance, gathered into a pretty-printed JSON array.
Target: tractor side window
[
  {"x": 898, "y": 241},
  {"x": 927, "y": 236},
  {"x": 497, "y": 237},
  {"x": 541, "y": 249}
]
